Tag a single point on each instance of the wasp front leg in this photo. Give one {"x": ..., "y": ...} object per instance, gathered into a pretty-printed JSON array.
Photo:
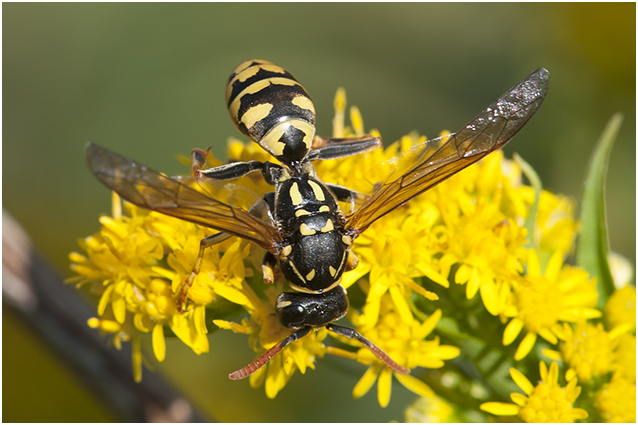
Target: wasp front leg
[{"x": 203, "y": 244}]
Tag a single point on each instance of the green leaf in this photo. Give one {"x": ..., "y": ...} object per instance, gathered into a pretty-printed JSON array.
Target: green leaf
[{"x": 593, "y": 246}]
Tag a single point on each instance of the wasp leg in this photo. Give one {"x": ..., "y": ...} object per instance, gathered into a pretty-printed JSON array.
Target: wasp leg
[
  {"x": 344, "y": 194},
  {"x": 269, "y": 354},
  {"x": 259, "y": 209},
  {"x": 231, "y": 171},
  {"x": 381, "y": 355},
  {"x": 198, "y": 159},
  {"x": 203, "y": 244},
  {"x": 338, "y": 148},
  {"x": 352, "y": 261},
  {"x": 268, "y": 268}
]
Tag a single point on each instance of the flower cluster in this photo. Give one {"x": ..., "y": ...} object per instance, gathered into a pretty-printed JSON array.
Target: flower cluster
[{"x": 471, "y": 230}]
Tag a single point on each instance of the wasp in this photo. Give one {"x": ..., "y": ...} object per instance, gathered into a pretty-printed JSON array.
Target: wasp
[{"x": 300, "y": 224}]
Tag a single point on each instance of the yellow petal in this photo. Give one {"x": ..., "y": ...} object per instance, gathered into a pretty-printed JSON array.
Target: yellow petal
[
  {"x": 548, "y": 336},
  {"x": 231, "y": 294},
  {"x": 119, "y": 309},
  {"x": 428, "y": 325},
  {"x": 463, "y": 274},
  {"x": 275, "y": 377},
  {"x": 512, "y": 330},
  {"x": 104, "y": 300},
  {"x": 518, "y": 398},
  {"x": 159, "y": 344},
  {"x": 525, "y": 346},
  {"x": 552, "y": 354},
  {"x": 522, "y": 381},
  {"x": 401, "y": 304},
  {"x": 501, "y": 409},
  {"x": 136, "y": 359},
  {"x": 472, "y": 285},
  {"x": 533, "y": 266},
  {"x": 489, "y": 295},
  {"x": 384, "y": 386},
  {"x": 366, "y": 381},
  {"x": 415, "y": 385},
  {"x": 578, "y": 413},
  {"x": 552, "y": 377},
  {"x": 199, "y": 319},
  {"x": 553, "y": 267}
]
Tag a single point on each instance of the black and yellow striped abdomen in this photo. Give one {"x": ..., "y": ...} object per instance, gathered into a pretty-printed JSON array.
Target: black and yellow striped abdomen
[{"x": 269, "y": 106}]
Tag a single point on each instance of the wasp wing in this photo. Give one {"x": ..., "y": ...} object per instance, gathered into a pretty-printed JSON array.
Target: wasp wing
[
  {"x": 149, "y": 189},
  {"x": 431, "y": 162}
]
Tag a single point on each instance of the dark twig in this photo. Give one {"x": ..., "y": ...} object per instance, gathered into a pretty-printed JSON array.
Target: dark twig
[{"x": 36, "y": 293}]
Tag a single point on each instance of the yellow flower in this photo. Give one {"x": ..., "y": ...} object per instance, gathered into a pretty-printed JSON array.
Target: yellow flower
[
  {"x": 556, "y": 227},
  {"x": 616, "y": 400},
  {"x": 430, "y": 410},
  {"x": 265, "y": 331},
  {"x": 588, "y": 350},
  {"x": 405, "y": 343},
  {"x": 621, "y": 307},
  {"x": 625, "y": 361},
  {"x": 545, "y": 402},
  {"x": 542, "y": 301}
]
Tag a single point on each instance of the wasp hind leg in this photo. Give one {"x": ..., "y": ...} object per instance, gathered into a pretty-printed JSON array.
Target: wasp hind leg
[
  {"x": 203, "y": 244},
  {"x": 381, "y": 355},
  {"x": 269, "y": 354},
  {"x": 323, "y": 148}
]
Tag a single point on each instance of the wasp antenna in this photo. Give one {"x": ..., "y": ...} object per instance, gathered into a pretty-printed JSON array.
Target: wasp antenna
[
  {"x": 381, "y": 355},
  {"x": 268, "y": 354}
]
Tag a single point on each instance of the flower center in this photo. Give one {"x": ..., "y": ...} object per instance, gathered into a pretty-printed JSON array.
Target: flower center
[{"x": 538, "y": 304}]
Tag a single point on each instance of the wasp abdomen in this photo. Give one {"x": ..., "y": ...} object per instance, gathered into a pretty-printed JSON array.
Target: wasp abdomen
[{"x": 269, "y": 106}]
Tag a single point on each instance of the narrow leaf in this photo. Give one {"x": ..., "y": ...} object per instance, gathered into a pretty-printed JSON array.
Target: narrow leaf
[{"x": 593, "y": 245}]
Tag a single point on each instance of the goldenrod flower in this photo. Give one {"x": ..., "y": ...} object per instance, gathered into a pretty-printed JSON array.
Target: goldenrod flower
[
  {"x": 545, "y": 402},
  {"x": 621, "y": 307},
  {"x": 405, "y": 343},
  {"x": 616, "y": 400},
  {"x": 469, "y": 230},
  {"x": 430, "y": 410},
  {"x": 542, "y": 301},
  {"x": 588, "y": 350},
  {"x": 625, "y": 356}
]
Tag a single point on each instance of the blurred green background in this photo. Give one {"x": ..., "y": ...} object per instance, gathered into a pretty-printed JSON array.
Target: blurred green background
[{"x": 147, "y": 80}]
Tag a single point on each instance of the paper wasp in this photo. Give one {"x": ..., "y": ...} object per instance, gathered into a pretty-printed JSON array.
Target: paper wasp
[{"x": 300, "y": 224}]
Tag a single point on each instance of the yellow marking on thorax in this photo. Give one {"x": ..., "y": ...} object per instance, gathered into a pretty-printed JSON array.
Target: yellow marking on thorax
[
  {"x": 346, "y": 239},
  {"x": 295, "y": 195},
  {"x": 286, "y": 250},
  {"x": 305, "y": 230},
  {"x": 332, "y": 271},
  {"x": 310, "y": 275},
  {"x": 328, "y": 227},
  {"x": 310, "y": 291},
  {"x": 294, "y": 269},
  {"x": 318, "y": 191},
  {"x": 324, "y": 208},
  {"x": 301, "y": 212},
  {"x": 255, "y": 114}
]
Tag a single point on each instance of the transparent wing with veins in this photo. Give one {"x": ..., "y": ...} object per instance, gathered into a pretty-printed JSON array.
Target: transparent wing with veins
[
  {"x": 433, "y": 161},
  {"x": 149, "y": 189}
]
